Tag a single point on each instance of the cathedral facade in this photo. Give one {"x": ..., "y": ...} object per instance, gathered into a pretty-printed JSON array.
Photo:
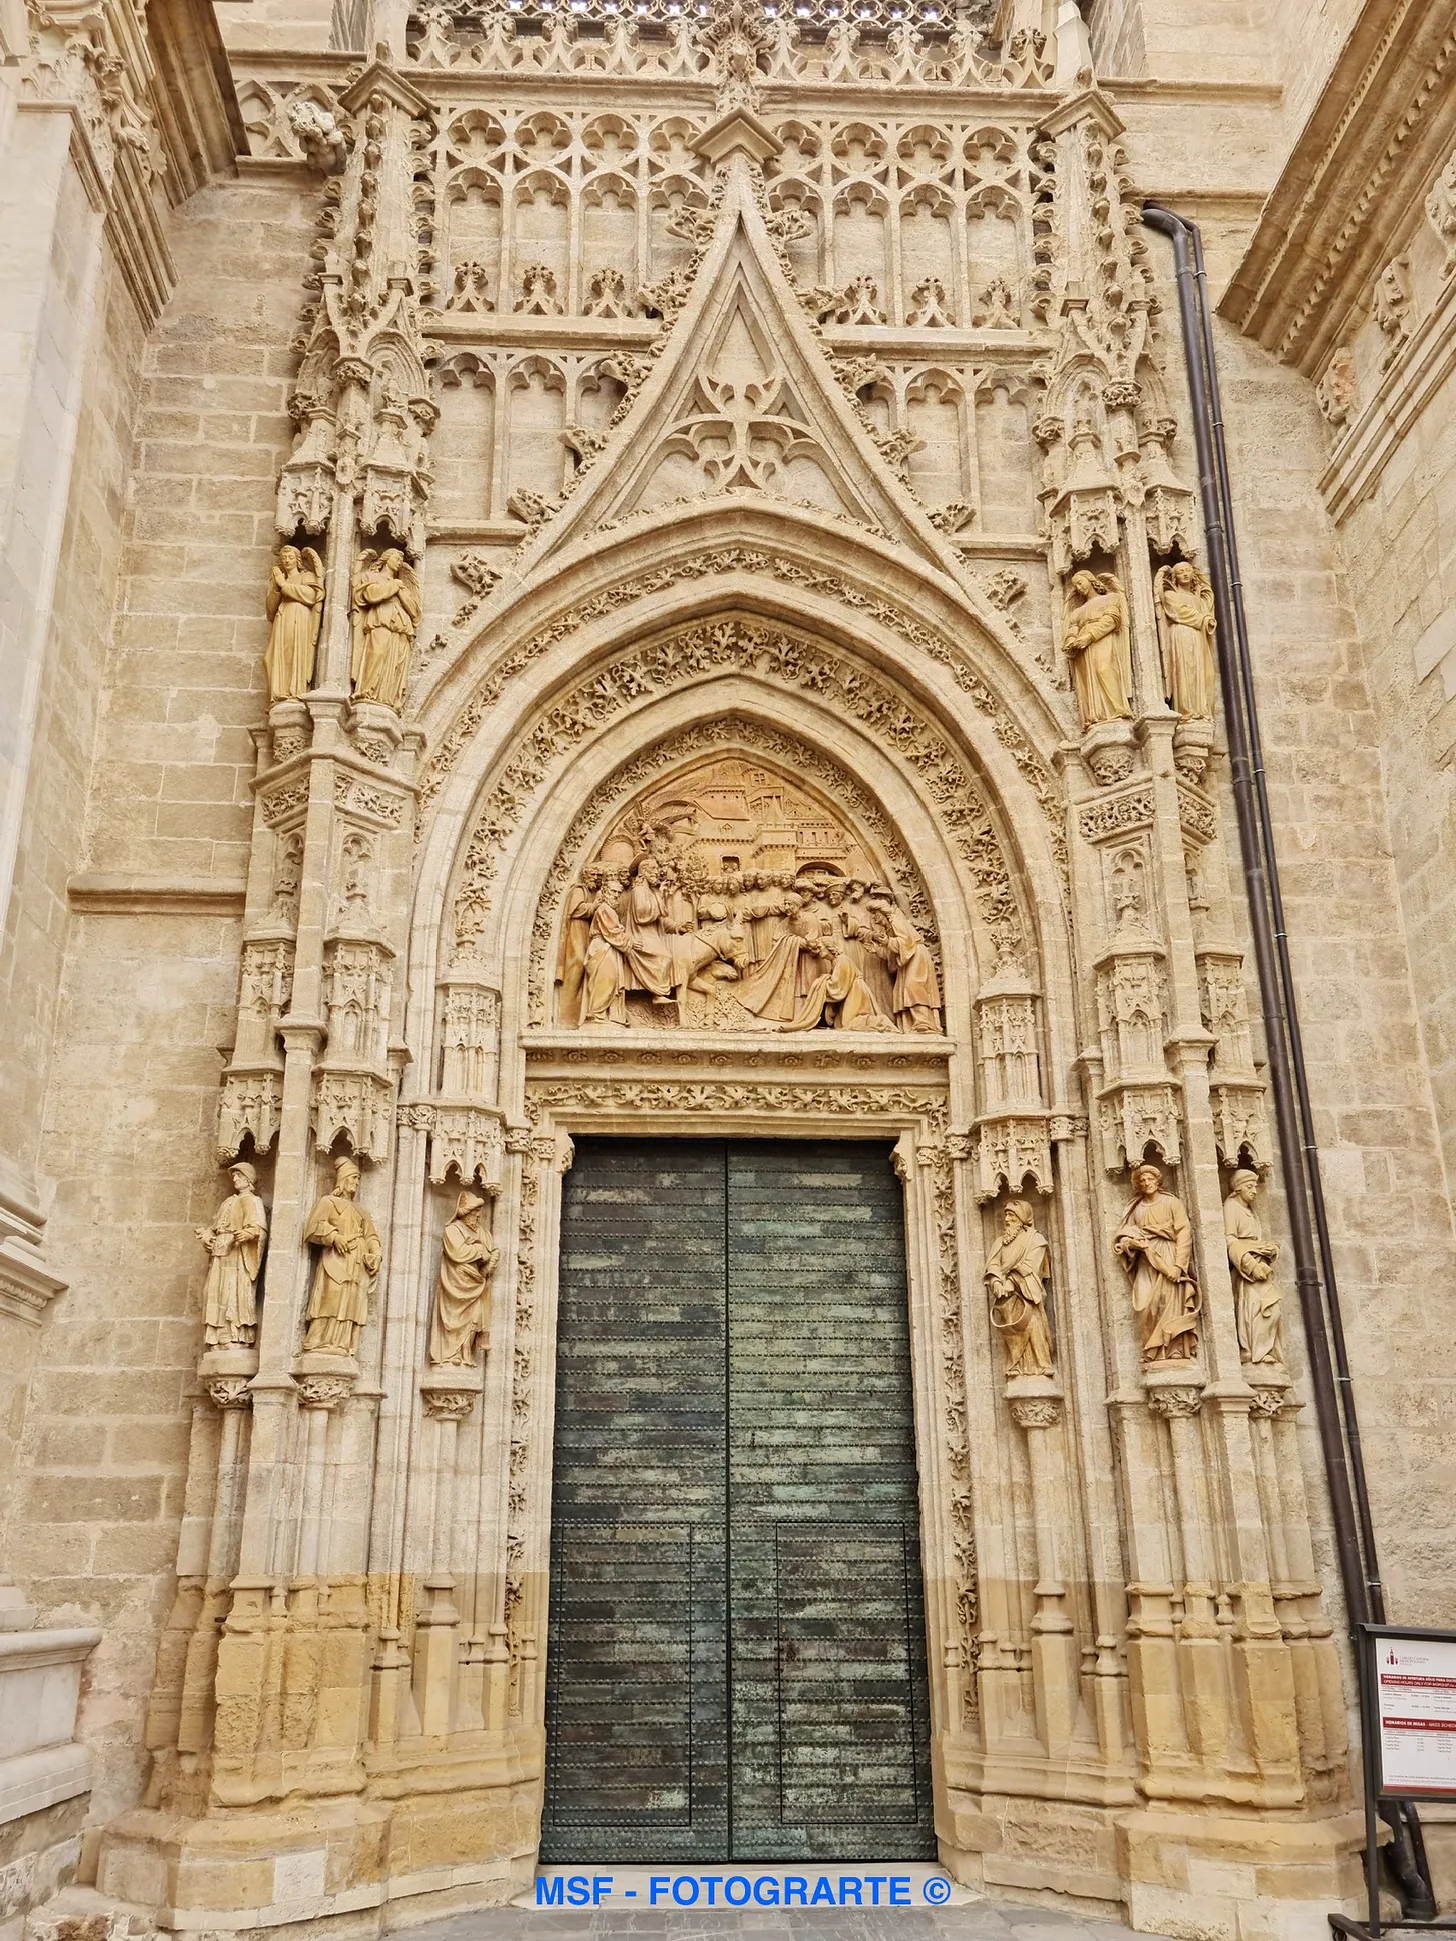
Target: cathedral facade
[{"x": 683, "y": 903}]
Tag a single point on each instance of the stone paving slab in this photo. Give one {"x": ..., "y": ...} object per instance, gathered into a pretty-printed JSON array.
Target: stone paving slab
[{"x": 971, "y": 1920}]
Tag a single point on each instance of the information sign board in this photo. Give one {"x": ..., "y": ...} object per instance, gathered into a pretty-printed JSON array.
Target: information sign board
[{"x": 1415, "y": 1694}]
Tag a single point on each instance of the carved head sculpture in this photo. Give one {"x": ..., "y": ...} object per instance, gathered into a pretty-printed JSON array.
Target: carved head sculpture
[
  {"x": 649, "y": 871},
  {"x": 1018, "y": 1215},
  {"x": 1245, "y": 1184},
  {"x": 390, "y": 561},
  {"x": 288, "y": 558},
  {"x": 467, "y": 1207},
  {"x": 346, "y": 1177},
  {"x": 793, "y": 903},
  {"x": 593, "y": 876},
  {"x": 1147, "y": 1178},
  {"x": 1184, "y": 573},
  {"x": 834, "y": 892},
  {"x": 243, "y": 1176},
  {"x": 1084, "y": 585}
]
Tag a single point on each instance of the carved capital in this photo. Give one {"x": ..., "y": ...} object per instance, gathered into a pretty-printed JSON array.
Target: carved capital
[
  {"x": 229, "y": 1392},
  {"x": 1175, "y": 1400},
  {"x": 1036, "y": 1412},
  {"x": 324, "y": 1391}
]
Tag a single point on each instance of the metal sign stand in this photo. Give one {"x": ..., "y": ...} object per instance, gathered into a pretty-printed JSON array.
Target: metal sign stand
[{"x": 1378, "y": 1787}]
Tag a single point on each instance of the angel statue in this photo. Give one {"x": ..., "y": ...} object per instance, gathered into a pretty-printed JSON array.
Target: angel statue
[
  {"x": 386, "y": 611},
  {"x": 1184, "y": 600},
  {"x": 1099, "y": 646},
  {"x": 296, "y": 609}
]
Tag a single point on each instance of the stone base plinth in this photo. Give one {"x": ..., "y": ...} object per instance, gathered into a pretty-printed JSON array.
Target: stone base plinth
[
  {"x": 1232, "y": 1878},
  {"x": 451, "y": 1833}
]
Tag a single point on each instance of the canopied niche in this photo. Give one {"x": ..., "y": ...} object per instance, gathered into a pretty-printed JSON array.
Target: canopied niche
[{"x": 740, "y": 891}]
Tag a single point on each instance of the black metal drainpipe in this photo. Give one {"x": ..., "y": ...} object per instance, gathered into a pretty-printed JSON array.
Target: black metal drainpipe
[{"x": 1334, "y": 1397}]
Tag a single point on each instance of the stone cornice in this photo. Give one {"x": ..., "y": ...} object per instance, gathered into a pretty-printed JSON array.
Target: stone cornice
[
  {"x": 196, "y": 103},
  {"x": 121, "y": 893},
  {"x": 1378, "y": 134}
]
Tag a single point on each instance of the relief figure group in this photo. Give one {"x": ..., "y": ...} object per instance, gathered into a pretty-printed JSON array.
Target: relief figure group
[{"x": 792, "y": 951}]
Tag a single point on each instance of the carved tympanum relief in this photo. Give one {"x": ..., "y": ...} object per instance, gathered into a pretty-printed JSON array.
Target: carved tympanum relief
[
  {"x": 1155, "y": 1246},
  {"x": 1257, "y": 1299},
  {"x": 734, "y": 899}
]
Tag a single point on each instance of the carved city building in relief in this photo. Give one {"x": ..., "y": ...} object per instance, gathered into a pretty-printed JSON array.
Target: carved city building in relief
[{"x": 638, "y": 576}]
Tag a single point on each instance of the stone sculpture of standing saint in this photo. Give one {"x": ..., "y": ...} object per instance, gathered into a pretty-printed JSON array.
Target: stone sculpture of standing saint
[
  {"x": 461, "y": 1319},
  {"x": 1155, "y": 1245},
  {"x": 295, "y": 607},
  {"x": 1186, "y": 630},
  {"x": 386, "y": 611},
  {"x": 1099, "y": 646},
  {"x": 1257, "y": 1300},
  {"x": 349, "y": 1258},
  {"x": 1016, "y": 1280},
  {"x": 235, "y": 1243}
]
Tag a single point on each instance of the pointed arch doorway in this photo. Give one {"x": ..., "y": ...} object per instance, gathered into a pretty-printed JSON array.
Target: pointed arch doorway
[{"x": 736, "y": 1659}]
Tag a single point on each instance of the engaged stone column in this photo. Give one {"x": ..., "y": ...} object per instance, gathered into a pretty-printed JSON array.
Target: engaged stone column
[
  {"x": 449, "y": 1398},
  {"x": 1036, "y": 1408}
]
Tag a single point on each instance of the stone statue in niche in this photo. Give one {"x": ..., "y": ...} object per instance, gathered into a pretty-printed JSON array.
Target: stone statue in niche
[
  {"x": 468, "y": 1258},
  {"x": 1017, "y": 1272},
  {"x": 734, "y": 900},
  {"x": 386, "y": 611},
  {"x": 1257, "y": 1300},
  {"x": 1155, "y": 1246},
  {"x": 295, "y": 607},
  {"x": 234, "y": 1243},
  {"x": 1098, "y": 644},
  {"x": 349, "y": 1258},
  {"x": 1186, "y": 630}
]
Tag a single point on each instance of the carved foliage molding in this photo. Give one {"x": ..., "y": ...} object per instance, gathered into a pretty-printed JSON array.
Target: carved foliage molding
[
  {"x": 741, "y": 559},
  {"x": 784, "y": 659}
]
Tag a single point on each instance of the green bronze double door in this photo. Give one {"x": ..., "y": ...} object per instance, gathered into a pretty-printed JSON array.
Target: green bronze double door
[{"x": 736, "y": 1656}]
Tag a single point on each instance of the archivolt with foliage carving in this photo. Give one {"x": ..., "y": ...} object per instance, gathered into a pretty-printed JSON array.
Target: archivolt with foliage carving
[
  {"x": 736, "y": 646},
  {"x": 747, "y": 559}
]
